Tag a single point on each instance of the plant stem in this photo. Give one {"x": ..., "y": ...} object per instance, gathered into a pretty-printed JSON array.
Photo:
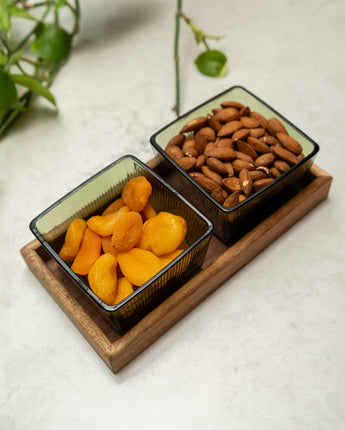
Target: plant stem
[{"x": 176, "y": 57}]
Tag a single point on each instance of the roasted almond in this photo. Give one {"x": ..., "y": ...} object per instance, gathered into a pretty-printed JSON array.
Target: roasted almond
[
  {"x": 207, "y": 132},
  {"x": 187, "y": 163},
  {"x": 257, "y": 132},
  {"x": 289, "y": 143},
  {"x": 238, "y": 165},
  {"x": 257, "y": 174},
  {"x": 232, "y": 184},
  {"x": 217, "y": 166},
  {"x": 249, "y": 122},
  {"x": 222, "y": 153},
  {"x": 211, "y": 174},
  {"x": 246, "y": 181},
  {"x": 232, "y": 200},
  {"x": 241, "y": 134},
  {"x": 284, "y": 154},
  {"x": 261, "y": 119},
  {"x": 174, "y": 151},
  {"x": 229, "y": 143},
  {"x": 229, "y": 128},
  {"x": 261, "y": 183},
  {"x": 265, "y": 159},
  {"x": 270, "y": 140},
  {"x": 207, "y": 183},
  {"x": 241, "y": 197},
  {"x": 200, "y": 143},
  {"x": 242, "y": 156},
  {"x": 281, "y": 165},
  {"x": 194, "y": 124},
  {"x": 264, "y": 169},
  {"x": 200, "y": 161},
  {"x": 259, "y": 146},
  {"x": 274, "y": 126},
  {"x": 232, "y": 103},
  {"x": 218, "y": 195},
  {"x": 227, "y": 114},
  {"x": 213, "y": 123},
  {"x": 274, "y": 172},
  {"x": 246, "y": 148},
  {"x": 229, "y": 168},
  {"x": 245, "y": 111},
  {"x": 189, "y": 149},
  {"x": 177, "y": 140}
]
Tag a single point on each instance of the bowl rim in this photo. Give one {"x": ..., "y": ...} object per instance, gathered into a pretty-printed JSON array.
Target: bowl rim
[
  {"x": 78, "y": 279},
  {"x": 258, "y": 193}
]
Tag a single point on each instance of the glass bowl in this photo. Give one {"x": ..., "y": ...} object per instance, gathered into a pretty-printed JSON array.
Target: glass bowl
[
  {"x": 90, "y": 198},
  {"x": 231, "y": 223}
]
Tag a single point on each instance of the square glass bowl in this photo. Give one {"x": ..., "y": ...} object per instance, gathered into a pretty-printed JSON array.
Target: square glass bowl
[
  {"x": 91, "y": 198},
  {"x": 232, "y": 223}
]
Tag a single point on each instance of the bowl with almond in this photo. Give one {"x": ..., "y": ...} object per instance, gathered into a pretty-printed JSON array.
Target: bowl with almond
[{"x": 235, "y": 158}]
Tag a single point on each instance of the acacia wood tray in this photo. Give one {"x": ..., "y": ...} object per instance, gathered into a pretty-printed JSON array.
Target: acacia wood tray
[{"x": 221, "y": 263}]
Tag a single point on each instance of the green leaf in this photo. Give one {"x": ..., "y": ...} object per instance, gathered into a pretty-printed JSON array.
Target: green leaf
[
  {"x": 5, "y": 15},
  {"x": 9, "y": 97},
  {"x": 61, "y": 3},
  {"x": 212, "y": 63},
  {"x": 52, "y": 42},
  {"x": 3, "y": 59},
  {"x": 19, "y": 12},
  {"x": 35, "y": 86},
  {"x": 15, "y": 57}
]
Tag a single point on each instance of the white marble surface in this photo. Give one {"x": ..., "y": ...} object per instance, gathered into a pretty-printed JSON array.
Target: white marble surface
[{"x": 266, "y": 350}]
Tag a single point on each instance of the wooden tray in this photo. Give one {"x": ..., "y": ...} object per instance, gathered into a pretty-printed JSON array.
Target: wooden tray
[{"x": 221, "y": 263}]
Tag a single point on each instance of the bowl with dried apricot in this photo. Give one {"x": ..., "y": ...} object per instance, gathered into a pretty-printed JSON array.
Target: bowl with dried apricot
[
  {"x": 126, "y": 238},
  {"x": 235, "y": 158}
]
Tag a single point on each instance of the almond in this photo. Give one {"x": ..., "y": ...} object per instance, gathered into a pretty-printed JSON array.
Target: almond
[
  {"x": 218, "y": 195},
  {"x": 229, "y": 168},
  {"x": 229, "y": 128},
  {"x": 189, "y": 149},
  {"x": 261, "y": 119},
  {"x": 194, "y": 124},
  {"x": 245, "y": 111},
  {"x": 200, "y": 161},
  {"x": 241, "y": 197},
  {"x": 249, "y": 122},
  {"x": 246, "y": 181},
  {"x": 227, "y": 114},
  {"x": 246, "y": 148},
  {"x": 284, "y": 154},
  {"x": 274, "y": 126},
  {"x": 261, "y": 183},
  {"x": 174, "y": 151},
  {"x": 257, "y": 132},
  {"x": 177, "y": 140},
  {"x": 211, "y": 174},
  {"x": 200, "y": 143},
  {"x": 232, "y": 184},
  {"x": 270, "y": 140},
  {"x": 187, "y": 163},
  {"x": 243, "y": 156},
  {"x": 207, "y": 132},
  {"x": 257, "y": 174},
  {"x": 222, "y": 153},
  {"x": 217, "y": 166},
  {"x": 258, "y": 145},
  {"x": 229, "y": 143},
  {"x": 274, "y": 172},
  {"x": 207, "y": 183},
  {"x": 232, "y": 103},
  {"x": 265, "y": 159},
  {"x": 264, "y": 169},
  {"x": 289, "y": 143},
  {"x": 213, "y": 123},
  {"x": 241, "y": 134},
  {"x": 281, "y": 165},
  {"x": 232, "y": 200},
  {"x": 238, "y": 165}
]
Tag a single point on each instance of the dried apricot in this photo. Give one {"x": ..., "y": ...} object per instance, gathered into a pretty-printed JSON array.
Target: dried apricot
[
  {"x": 167, "y": 258},
  {"x": 124, "y": 289},
  {"x": 102, "y": 278},
  {"x": 148, "y": 211},
  {"x": 139, "y": 265},
  {"x": 163, "y": 233},
  {"x": 73, "y": 239},
  {"x": 136, "y": 193},
  {"x": 104, "y": 225},
  {"x": 113, "y": 207},
  {"x": 90, "y": 250},
  {"x": 127, "y": 230},
  {"x": 108, "y": 247}
]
